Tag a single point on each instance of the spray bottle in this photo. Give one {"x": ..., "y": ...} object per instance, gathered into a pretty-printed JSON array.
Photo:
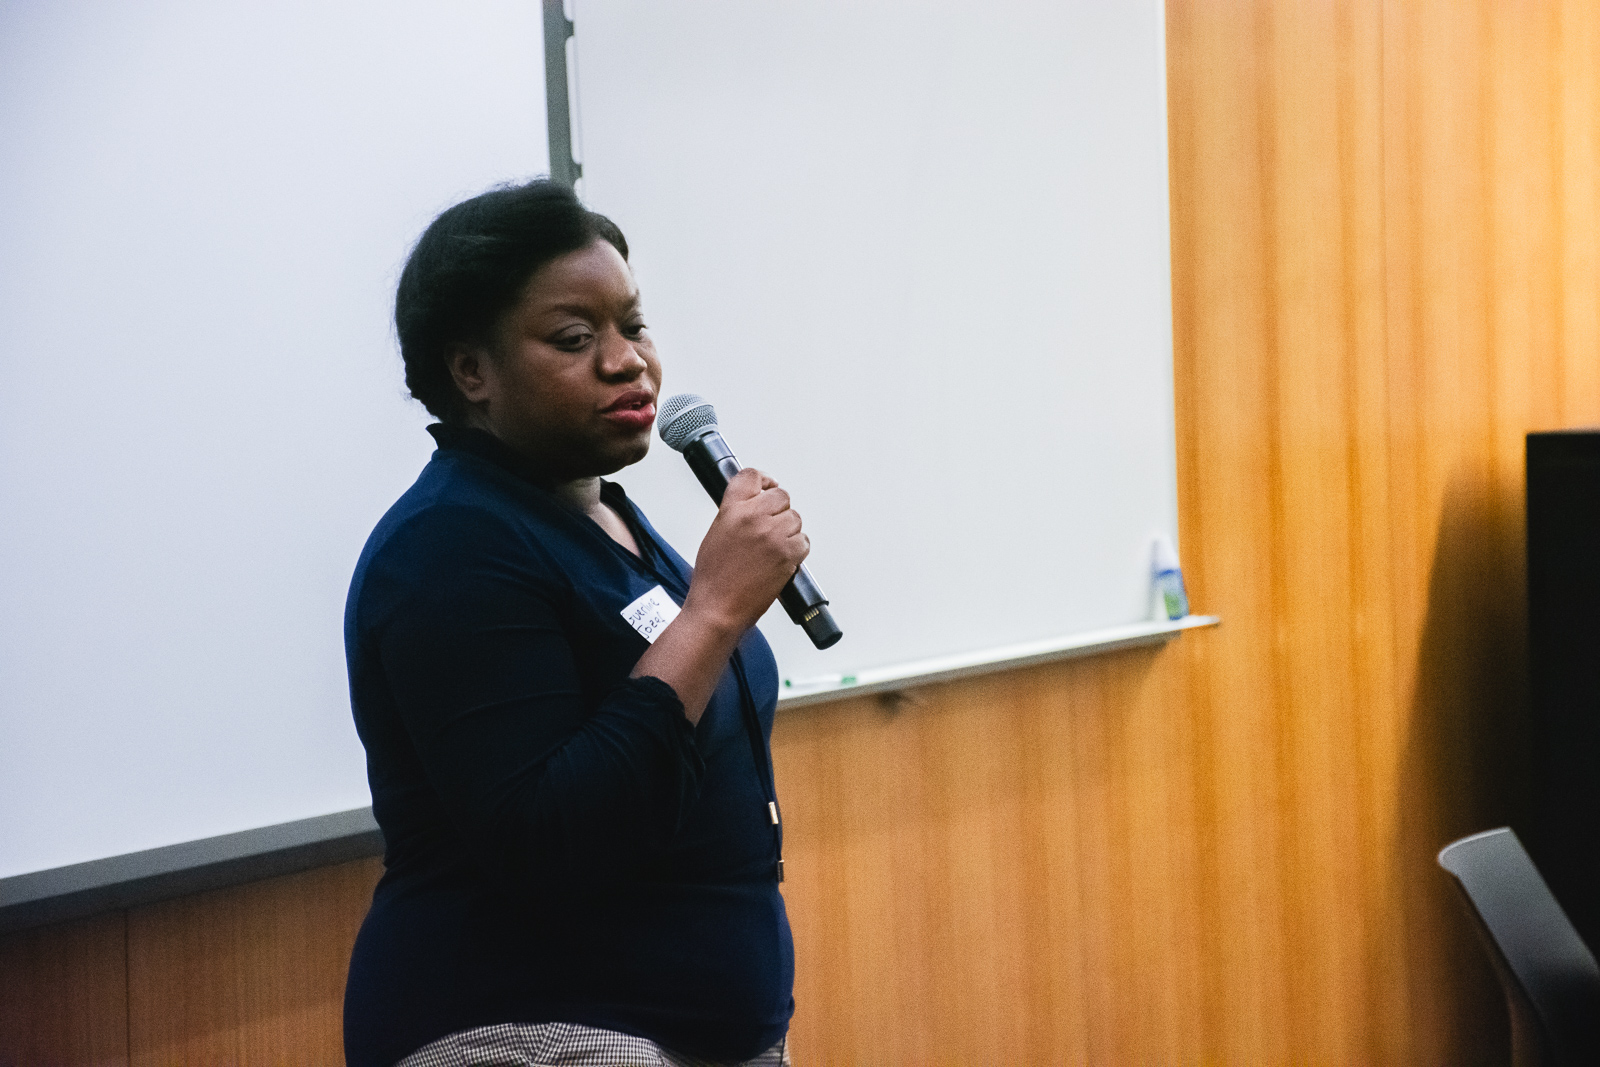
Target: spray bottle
[{"x": 1167, "y": 580}]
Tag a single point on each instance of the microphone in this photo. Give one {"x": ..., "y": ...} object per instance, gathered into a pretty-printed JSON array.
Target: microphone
[{"x": 688, "y": 424}]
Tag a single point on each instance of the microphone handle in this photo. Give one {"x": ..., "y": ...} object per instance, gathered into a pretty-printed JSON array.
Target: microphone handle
[{"x": 714, "y": 463}]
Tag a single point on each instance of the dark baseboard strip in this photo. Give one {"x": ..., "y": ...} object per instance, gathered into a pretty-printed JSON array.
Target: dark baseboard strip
[{"x": 83, "y": 889}]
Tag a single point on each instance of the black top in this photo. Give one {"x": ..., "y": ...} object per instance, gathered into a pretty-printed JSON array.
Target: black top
[{"x": 561, "y": 844}]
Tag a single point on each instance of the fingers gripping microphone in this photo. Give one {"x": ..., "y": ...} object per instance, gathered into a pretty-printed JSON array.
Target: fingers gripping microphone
[{"x": 689, "y": 425}]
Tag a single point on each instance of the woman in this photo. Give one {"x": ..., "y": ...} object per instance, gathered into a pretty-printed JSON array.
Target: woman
[{"x": 582, "y": 834}]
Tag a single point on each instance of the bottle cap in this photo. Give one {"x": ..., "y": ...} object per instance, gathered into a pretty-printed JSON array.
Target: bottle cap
[{"x": 1164, "y": 557}]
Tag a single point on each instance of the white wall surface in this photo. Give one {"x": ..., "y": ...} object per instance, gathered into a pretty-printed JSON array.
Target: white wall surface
[
  {"x": 203, "y": 211},
  {"x": 917, "y": 256}
]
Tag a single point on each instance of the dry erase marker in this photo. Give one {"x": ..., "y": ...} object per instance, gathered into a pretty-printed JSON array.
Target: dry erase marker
[{"x": 820, "y": 681}]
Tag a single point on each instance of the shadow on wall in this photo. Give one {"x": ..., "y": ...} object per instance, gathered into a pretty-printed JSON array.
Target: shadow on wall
[{"x": 1466, "y": 756}]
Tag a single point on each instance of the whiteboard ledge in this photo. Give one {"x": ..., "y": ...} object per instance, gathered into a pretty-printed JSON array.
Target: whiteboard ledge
[
  {"x": 968, "y": 664},
  {"x": 59, "y": 894}
]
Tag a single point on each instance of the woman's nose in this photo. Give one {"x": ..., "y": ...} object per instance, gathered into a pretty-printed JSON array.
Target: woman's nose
[{"x": 618, "y": 359}]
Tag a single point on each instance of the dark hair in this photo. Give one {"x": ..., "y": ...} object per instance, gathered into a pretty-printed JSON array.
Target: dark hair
[{"x": 469, "y": 268}]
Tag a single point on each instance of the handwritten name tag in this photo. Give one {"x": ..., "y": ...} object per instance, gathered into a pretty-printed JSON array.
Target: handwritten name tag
[{"x": 651, "y": 613}]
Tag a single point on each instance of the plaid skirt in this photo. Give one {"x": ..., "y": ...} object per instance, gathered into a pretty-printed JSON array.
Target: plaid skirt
[{"x": 563, "y": 1045}]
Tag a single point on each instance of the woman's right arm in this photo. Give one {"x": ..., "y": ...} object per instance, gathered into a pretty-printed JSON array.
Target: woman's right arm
[
  {"x": 466, "y": 634},
  {"x": 752, "y": 549},
  {"x": 476, "y": 659}
]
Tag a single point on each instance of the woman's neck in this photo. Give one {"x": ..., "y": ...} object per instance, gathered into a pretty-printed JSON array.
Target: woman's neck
[{"x": 582, "y": 494}]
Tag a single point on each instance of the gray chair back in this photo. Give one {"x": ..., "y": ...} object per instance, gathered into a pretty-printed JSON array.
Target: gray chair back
[{"x": 1551, "y": 982}]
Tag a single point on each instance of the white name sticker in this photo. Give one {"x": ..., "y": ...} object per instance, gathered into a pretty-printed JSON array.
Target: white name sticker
[{"x": 651, "y": 613}]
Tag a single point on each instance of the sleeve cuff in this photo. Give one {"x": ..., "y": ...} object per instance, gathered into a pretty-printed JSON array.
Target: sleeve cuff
[{"x": 652, "y": 700}]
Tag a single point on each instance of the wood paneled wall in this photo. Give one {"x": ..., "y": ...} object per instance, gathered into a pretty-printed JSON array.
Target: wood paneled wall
[
  {"x": 248, "y": 975},
  {"x": 1386, "y": 269},
  {"x": 252, "y": 975}
]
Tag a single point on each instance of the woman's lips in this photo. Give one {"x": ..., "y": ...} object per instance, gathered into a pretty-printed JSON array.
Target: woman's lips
[{"x": 633, "y": 418}]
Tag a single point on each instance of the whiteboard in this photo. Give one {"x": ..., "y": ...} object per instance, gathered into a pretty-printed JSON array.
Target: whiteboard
[
  {"x": 206, "y": 209},
  {"x": 918, "y": 258},
  {"x": 204, "y": 416}
]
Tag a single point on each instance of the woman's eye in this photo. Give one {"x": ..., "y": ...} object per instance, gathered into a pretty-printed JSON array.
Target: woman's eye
[
  {"x": 635, "y": 329},
  {"x": 572, "y": 340}
]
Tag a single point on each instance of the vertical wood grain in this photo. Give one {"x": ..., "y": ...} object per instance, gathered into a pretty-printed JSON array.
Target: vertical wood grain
[
  {"x": 1577, "y": 387},
  {"x": 64, "y": 995},
  {"x": 1479, "y": 187},
  {"x": 961, "y": 859},
  {"x": 248, "y": 975}
]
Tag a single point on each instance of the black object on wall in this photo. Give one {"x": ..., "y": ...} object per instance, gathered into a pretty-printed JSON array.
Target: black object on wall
[{"x": 1564, "y": 668}]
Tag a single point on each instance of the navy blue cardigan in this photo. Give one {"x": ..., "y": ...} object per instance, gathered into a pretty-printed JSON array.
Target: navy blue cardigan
[{"x": 561, "y": 844}]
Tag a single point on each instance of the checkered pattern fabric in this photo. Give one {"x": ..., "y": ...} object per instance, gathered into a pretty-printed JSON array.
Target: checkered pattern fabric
[{"x": 563, "y": 1045}]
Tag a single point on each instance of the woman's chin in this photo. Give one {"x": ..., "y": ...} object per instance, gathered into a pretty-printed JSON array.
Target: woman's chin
[{"x": 625, "y": 454}]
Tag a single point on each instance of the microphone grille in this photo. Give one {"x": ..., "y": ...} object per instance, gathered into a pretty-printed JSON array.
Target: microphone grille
[{"x": 684, "y": 418}]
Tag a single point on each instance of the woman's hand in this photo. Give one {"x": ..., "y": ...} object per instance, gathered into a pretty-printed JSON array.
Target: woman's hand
[
  {"x": 751, "y": 551},
  {"x": 749, "y": 554}
]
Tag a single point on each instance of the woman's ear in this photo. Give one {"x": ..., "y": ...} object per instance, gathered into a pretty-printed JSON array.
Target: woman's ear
[{"x": 469, "y": 367}]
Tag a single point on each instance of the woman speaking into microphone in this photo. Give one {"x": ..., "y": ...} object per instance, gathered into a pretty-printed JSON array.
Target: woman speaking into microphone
[{"x": 574, "y": 784}]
